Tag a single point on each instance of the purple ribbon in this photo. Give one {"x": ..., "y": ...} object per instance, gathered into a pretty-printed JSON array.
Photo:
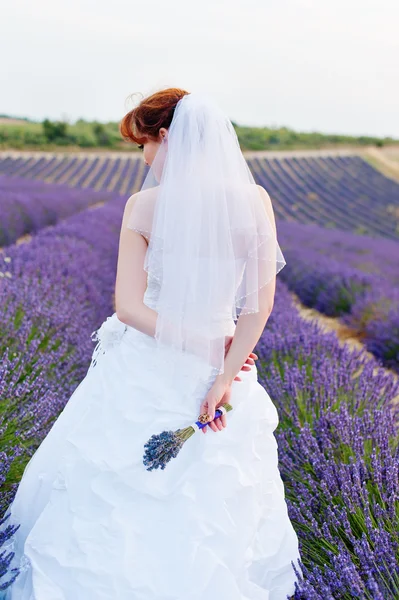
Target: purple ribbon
[{"x": 218, "y": 413}]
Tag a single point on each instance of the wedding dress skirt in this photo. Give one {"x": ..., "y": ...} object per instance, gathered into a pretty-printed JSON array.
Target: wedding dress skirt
[{"x": 96, "y": 525}]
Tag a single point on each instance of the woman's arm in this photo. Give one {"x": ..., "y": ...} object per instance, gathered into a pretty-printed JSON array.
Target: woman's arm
[
  {"x": 248, "y": 330},
  {"x": 249, "y": 327},
  {"x": 131, "y": 278}
]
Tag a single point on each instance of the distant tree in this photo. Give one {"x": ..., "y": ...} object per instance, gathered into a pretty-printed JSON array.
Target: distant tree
[
  {"x": 54, "y": 130},
  {"x": 274, "y": 138},
  {"x": 102, "y": 135}
]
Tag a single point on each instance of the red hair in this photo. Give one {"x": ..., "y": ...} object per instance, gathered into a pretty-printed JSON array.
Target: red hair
[{"x": 145, "y": 120}]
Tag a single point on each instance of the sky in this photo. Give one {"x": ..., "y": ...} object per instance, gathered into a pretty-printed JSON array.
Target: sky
[{"x": 310, "y": 65}]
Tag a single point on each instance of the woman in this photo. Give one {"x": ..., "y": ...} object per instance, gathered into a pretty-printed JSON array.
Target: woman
[{"x": 198, "y": 251}]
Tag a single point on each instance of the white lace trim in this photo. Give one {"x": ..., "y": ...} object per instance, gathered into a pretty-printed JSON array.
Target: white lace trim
[{"x": 107, "y": 336}]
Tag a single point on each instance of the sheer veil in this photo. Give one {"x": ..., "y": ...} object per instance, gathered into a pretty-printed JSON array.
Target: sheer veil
[{"x": 212, "y": 246}]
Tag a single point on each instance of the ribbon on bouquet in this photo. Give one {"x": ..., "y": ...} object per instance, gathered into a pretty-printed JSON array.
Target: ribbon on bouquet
[{"x": 162, "y": 447}]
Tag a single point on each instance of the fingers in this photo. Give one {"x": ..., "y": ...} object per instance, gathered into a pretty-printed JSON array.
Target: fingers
[
  {"x": 251, "y": 358},
  {"x": 247, "y": 365},
  {"x": 217, "y": 395},
  {"x": 207, "y": 407},
  {"x": 212, "y": 425},
  {"x": 217, "y": 424}
]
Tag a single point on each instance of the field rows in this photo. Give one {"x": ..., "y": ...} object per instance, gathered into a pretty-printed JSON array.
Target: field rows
[{"x": 340, "y": 191}]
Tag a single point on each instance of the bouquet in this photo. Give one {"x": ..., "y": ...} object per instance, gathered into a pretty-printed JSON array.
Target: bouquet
[{"x": 161, "y": 448}]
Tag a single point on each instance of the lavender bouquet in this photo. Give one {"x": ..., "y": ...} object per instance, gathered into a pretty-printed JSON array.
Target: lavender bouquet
[{"x": 161, "y": 448}]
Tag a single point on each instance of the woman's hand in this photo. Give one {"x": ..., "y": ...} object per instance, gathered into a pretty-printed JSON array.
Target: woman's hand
[
  {"x": 218, "y": 394},
  {"x": 250, "y": 360}
]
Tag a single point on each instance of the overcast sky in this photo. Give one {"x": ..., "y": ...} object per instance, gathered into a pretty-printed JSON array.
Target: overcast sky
[{"x": 312, "y": 65}]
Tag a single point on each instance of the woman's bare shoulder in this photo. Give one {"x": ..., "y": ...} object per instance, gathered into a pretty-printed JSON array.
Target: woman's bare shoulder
[
  {"x": 264, "y": 194},
  {"x": 268, "y": 205},
  {"x": 145, "y": 200},
  {"x": 142, "y": 195}
]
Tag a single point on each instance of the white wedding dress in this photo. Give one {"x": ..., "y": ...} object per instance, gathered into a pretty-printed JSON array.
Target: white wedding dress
[{"x": 96, "y": 525}]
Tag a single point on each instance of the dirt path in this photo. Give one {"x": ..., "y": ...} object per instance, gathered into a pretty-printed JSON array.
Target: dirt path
[
  {"x": 96, "y": 205},
  {"x": 24, "y": 239},
  {"x": 383, "y": 161},
  {"x": 345, "y": 334}
]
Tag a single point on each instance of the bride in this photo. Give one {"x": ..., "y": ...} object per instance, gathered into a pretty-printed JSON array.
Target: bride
[{"x": 195, "y": 283}]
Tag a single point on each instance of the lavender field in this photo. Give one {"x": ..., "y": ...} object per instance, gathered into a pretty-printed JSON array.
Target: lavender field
[
  {"x": 343, "y": 192},
  {"x": 338, "y": 456},
  {"x": 121, "y": 175},
  {"x": 354, "y": 277},
  {"x": 338, "y": 193},
  {"x": 27, "y": 206},
  {"x": 339, "y": 411}
]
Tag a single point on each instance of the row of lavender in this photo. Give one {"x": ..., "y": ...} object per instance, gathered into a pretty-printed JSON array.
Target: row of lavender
[
  {"x": 337, "y": 435},
  {"x": 26, "y": 206},
  {"x": 349, "y": 276},
  {"x": 338, "y": 457},
  {"x": 343, "y": 192}
]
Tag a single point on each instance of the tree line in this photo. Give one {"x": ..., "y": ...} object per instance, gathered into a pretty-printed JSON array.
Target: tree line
[{"x": 50, "y": 135}]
